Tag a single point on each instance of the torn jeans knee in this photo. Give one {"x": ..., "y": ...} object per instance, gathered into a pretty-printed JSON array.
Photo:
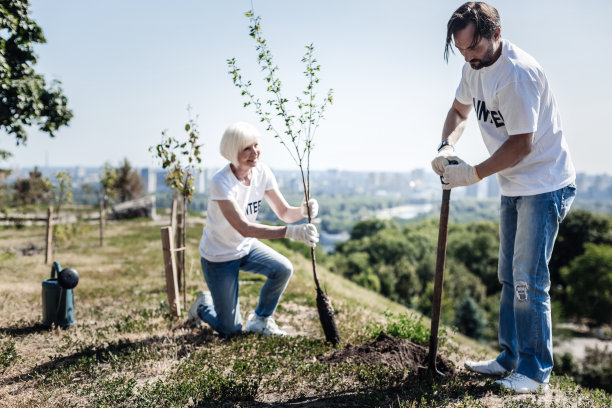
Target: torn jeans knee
[{"x": 520, "y": 291}]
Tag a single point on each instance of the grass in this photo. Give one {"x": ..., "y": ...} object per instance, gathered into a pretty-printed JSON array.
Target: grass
[{"x": 126, "y": 351}]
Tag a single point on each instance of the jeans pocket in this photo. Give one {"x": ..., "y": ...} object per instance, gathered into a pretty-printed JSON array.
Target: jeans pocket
[{"x": 567, "y": 198}]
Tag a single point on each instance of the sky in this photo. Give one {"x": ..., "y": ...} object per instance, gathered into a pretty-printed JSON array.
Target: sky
[{"x": 131, "y": 68}]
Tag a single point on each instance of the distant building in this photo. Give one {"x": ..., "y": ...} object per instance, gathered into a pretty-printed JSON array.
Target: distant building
[{"x": 149, "y": 179}]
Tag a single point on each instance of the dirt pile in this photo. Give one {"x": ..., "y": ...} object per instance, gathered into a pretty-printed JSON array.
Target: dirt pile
[{"x": 389, "y": 351}]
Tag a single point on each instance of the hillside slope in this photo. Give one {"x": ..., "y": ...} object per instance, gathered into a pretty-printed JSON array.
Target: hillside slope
[{"x": 124, "y": 350}]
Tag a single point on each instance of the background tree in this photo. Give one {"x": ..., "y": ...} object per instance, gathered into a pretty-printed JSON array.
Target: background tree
[
  {"x": 128, "y": 183},
  {"x": 25, "y": 98},
  {"x": 35, "y": 189},
  {"x": 121, "y": 183},
  {"x": 589, "y": 284},
  {"x": 469, "y": 319},
  {"x": 579, "y": 228}
]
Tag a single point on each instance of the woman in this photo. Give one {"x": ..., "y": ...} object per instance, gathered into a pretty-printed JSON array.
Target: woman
[{"x": 229, "y": 240}]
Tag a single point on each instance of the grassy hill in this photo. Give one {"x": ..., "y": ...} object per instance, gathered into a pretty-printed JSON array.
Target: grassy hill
[{"x": 125, "y": 351}]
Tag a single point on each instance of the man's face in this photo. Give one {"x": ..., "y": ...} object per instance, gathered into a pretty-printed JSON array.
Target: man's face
[{"x": 483, "y": 54}]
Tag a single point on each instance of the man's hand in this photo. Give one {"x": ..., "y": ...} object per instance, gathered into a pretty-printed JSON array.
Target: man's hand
[
  {"x": 457, "y": 175},
  {"x": 314, "y": 208},
  {"x": 306, "y": 233},
  {"x": 441, "y": 161}
]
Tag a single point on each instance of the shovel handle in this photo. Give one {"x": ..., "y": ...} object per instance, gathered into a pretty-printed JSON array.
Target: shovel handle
[{"x": 439, "y": 280}]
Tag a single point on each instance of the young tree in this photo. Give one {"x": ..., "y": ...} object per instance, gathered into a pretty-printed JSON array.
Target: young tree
[
  {"x": 25, "y": 97},
  {"x": 62, "y": 190},
  {"x": 128, "y": 183},
  {"x": 298, "y": 134},
  {"x": 181, "y": 160}
]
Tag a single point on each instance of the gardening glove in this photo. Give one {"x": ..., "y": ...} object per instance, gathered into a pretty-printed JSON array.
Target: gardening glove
[
  {"x": 460, "y": 174},
  {"x": 306, "y": 233},
  {"x": 441, "y": 161},
  {"x": 314, "y": 208}
]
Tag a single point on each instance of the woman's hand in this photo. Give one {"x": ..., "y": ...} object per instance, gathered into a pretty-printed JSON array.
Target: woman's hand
[
  {"x": 306, "y": 233},
  {"x": 314, "y": 208}
]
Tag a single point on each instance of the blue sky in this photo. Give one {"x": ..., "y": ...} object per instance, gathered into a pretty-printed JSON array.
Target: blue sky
[{"x": 130, "y": 69}]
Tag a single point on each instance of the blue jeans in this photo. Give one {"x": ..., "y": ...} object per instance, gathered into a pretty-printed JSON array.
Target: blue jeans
[
  {"x": 528, "y": 228},
  {"x": 222, "y": 281}
]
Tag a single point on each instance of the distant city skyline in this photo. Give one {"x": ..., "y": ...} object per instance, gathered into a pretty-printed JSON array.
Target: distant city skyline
[{"x": 130, "y": 69}]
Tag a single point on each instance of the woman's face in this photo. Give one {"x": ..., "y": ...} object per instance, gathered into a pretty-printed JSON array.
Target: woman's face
[{"x": 248, "y": 157}]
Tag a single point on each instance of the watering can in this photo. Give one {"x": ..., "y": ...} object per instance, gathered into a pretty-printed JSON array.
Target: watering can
[{"x": 58, "y": 296}]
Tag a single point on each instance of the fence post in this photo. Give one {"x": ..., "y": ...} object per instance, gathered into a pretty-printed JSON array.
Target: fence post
[
  {"x": 174, "y": 300},
  {"x": 102, "y": 222},
  {"x": 49, "y": 249}
]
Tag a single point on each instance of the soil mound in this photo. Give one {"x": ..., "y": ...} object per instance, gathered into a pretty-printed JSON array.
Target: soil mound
[{"x": 389, "y": 351}]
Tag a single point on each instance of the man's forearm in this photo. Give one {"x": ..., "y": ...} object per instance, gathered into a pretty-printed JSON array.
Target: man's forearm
[{"x": 509, "y": 154}]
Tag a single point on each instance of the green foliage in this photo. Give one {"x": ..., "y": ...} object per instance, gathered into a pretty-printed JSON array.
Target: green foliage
[
  {"x": 595, "y": 371},
  {"x": 401, "y": 263},
  {"x": 8, "y": 354},
  {"x": 368, "y": 228},
  {"x": 589, "y": 284},
  {"x": 405, "y": 326},
  {"x": 579, "y": 228},
  {"x": 180, "y": 158},
  {"x": 26, "y": 97},
  {"x": 35, "y": 189},
  {"x": 469, "y": 319},
  {"x": 122, "y": 182}
]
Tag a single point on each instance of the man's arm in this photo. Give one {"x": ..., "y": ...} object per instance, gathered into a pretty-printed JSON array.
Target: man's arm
[
  {"x": 455, "y": 122},
  {"x": 509, "y": 154}
]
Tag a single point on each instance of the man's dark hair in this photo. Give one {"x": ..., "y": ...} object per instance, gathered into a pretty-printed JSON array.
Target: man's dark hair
[{"x": 484, "y": 17}]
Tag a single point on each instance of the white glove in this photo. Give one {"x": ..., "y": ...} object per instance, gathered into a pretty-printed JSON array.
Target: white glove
[
  {"x": 441, "y": 161},
  {"x": 306, "y": 233},
  {"x": 461, "y": 174},
  {"x": 314, "y": 208}
]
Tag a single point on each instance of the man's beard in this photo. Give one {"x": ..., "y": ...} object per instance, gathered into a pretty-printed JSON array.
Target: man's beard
[{"x": 481, "y": 63}]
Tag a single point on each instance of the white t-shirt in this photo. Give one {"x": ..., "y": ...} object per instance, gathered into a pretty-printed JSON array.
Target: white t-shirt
[
  {"x": 220, "y": 241},
  {"x": 512, "y": 96}
]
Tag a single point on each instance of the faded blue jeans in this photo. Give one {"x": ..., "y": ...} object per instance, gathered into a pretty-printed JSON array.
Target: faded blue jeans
[
  {"x": 222, "y": 281},
  {"x": 528, "y": 228}
]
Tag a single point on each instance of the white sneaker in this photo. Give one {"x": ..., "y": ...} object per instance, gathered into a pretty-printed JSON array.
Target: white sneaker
[
  {"x": 488, "y": 367},
  {"x": 203, "y": 298},
  {"x": 521, "y": 384},
  {"x": 265, "y": 326}
]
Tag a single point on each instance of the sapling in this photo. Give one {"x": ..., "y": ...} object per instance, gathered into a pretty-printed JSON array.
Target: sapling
[
  {"x": 181, "y": 159},
  {"x": 297, "y": 136}
]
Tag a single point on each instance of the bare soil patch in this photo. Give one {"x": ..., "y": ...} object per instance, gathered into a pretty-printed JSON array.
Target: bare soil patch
[{"x": 389, "y": 351}]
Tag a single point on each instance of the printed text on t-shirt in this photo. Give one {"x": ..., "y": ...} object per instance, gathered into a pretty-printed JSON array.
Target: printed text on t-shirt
[
  {"x": 253, "y": 207},
  {"x": 482, "y": 113}
]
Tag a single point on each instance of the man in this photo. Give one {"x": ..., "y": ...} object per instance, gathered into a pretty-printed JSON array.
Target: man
[{"x": 521, "y": 128}]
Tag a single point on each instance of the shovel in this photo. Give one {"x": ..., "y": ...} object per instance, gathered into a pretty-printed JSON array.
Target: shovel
[{"x": 439, "y": 279}]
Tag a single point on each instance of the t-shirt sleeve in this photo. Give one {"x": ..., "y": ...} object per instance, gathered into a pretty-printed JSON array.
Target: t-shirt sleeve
[
  {"x": 218, "y": 191},
  {"x": 519, "y": 103},
  {"x": 270, "y": 181},
  {"x": 463, "y": 94}
]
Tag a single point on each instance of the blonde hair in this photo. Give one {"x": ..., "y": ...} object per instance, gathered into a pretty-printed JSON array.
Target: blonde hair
[{"x": 235, "y": 138}]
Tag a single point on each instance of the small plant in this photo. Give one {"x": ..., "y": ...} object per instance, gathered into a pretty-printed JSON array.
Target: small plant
[
  {"x": 8, "y": 355},
  {"x": 404, "y": 326},
  {"x": 297, "y": 136}
]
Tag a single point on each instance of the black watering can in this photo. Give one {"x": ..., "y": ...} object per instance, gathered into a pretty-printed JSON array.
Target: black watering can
[{"x": 58, "y": 296}]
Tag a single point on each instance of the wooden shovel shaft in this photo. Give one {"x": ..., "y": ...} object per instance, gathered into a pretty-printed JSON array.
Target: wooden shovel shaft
[{"x": 438, "y": 280}]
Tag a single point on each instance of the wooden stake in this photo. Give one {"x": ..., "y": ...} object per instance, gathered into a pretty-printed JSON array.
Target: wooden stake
[
  {"x": 172, "y": 288},
  {"x": 49, "y": 249},
  {"x": 102, "y": 222}
]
